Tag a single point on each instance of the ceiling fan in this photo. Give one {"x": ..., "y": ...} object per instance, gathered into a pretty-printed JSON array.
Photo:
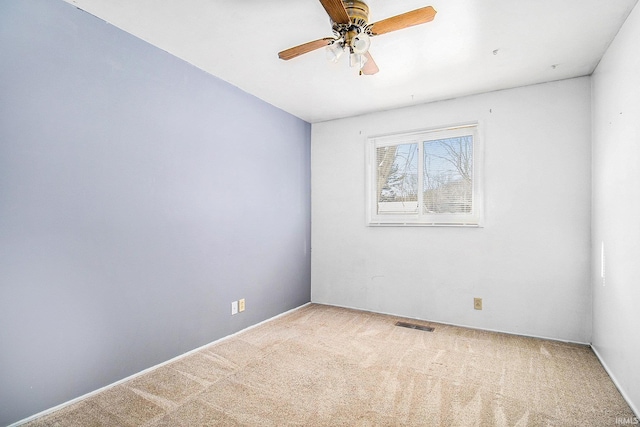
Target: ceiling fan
[{"x": 352, "y": 32}]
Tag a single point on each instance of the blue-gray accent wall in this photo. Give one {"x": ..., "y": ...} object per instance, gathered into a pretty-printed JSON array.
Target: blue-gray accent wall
[{"x": 139, "y": 196}]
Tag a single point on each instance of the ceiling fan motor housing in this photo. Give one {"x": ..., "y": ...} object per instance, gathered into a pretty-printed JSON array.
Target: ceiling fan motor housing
[
  {"x": 358, "y": 27},
  {"x": 358, "y": 12}
]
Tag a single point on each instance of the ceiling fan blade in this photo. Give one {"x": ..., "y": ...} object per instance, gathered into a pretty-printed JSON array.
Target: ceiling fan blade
[
  {"x": 370, "y": 67},
  {"x": 404, "y": 20},
  {"x": 293, "y": 52},
  {"x": 336, "y": 11}
]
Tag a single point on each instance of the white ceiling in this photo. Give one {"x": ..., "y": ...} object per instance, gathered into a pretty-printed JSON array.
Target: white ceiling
[{"x": 471, "y": 47}]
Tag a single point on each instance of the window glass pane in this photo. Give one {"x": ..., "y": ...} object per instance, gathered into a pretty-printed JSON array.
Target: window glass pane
[
  {"x": 397, "y": 186},
  {"x": 448, "y": 175}
]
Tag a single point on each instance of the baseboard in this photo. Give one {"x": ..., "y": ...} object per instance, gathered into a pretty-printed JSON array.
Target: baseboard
[
  {"x": 159, "y": 365},
  {"x": 457, "y": 324},
  {"x": 617, "y": 384}
]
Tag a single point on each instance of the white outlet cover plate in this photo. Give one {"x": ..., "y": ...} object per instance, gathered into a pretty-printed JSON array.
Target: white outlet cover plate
[{"x": 234, "y": 307}]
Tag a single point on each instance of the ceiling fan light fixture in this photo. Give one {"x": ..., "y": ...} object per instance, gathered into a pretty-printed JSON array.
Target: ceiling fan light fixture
[
  {"x": 357, "y": 60},
  {"x": 360, "y": 43},
  {"x": 335, "y": 51}
]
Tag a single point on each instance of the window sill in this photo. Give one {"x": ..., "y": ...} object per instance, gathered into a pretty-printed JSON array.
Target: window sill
[{"x": 423, "y": 224}]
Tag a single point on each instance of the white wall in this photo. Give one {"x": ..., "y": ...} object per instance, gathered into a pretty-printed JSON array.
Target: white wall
[
  {"x": 530, "y": 262},
  {"x": 616, "y": 209}
]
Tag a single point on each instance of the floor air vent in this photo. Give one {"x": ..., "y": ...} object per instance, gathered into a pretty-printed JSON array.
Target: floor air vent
[{"x": 414, "y": 326}]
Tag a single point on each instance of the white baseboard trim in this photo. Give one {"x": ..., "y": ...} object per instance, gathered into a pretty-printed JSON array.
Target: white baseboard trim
[
  {"x": 457, "y": 324},
  {"x": 159, "y": 365},
  {"x": 615, "y": 382}
]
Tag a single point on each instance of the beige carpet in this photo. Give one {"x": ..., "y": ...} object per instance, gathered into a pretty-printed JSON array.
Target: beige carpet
[{"x": 327, "y": 366}]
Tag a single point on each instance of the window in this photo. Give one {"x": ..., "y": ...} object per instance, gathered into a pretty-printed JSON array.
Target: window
[{"x": 431, "y": 177}]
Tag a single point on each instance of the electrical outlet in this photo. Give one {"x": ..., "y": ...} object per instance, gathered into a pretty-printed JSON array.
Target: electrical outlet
[
  {"x": 477, "y": 303},
  {"x": 241, "y": 305},
  {"x": 234, "y": 307}
]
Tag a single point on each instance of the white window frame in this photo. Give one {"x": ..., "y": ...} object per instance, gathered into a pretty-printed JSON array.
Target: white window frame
[{"x": 472, "y": 219}]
